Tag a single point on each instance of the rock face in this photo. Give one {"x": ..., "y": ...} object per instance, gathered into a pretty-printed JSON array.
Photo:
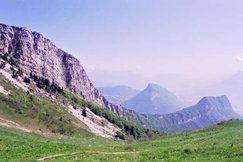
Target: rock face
[
  {"x": 40, "y": 56},
  {"x": 154, "y": 100}
]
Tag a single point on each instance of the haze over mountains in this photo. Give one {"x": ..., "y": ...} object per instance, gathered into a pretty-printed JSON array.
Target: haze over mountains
[
  {"x": 37, "y": 55},
  {"x": 118, "y": 94},
  {"x": 187, "y": 89},
  {"x": 208, "y": 111},
  {"x": 154, "y": 100},
  {"x": 121, "y": 80},
  {"x": 230, "y": 86}
]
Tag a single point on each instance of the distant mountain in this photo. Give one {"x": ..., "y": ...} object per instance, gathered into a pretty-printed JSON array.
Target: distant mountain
[
  {"x": 34, "y": 58},
  {"x": 208, "y": 111},
  {"x": 154, "y": 100},
  {"x": 231, "y": 86},
  {"x": 118, "y": 94}
]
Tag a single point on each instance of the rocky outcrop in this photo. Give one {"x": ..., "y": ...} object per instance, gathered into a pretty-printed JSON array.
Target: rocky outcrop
[{"x": 36, "y": 54}]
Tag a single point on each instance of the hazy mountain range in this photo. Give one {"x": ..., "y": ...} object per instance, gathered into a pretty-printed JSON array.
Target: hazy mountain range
[
  {"x": 35, "y": 54},
  {"x": 208, "y": 111}
]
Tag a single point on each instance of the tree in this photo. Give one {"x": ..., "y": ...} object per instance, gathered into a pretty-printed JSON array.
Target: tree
[
  {"x": 2, "y": 65},
  {"x": 26, "y": 80},
  {"x": 14, "y": 74},
  {"x": 5, "y": 57},
  {"x": 84, "y": 113}
]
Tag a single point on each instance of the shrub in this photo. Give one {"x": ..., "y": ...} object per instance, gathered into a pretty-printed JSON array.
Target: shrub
[
  {"x": 120, "y": 135},
  {"x": 187, "y": 151}
]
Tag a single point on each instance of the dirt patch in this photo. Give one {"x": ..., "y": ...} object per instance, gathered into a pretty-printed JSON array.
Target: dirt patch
[
  {"x": 2, "y": 90},
  {"x": 16, "y": 83},
  {"x": 11, "y": 124},
  {"x": 77, "y": 153}
]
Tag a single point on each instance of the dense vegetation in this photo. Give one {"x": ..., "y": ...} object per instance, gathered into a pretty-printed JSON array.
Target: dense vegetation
[{"x": 44, "y": 83}]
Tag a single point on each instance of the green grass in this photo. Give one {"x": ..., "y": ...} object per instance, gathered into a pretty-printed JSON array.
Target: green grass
[
  {"x": 43, "y": 113},
  {"x": 19, "y": 146},
  {"x": 223, "y": 142}
]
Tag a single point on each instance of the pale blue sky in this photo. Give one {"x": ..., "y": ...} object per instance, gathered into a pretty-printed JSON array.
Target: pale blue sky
[{"x": 196, "y": 37}]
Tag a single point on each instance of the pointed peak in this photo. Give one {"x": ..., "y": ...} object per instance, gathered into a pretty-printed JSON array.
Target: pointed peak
[{"x": 153, "y": 86}]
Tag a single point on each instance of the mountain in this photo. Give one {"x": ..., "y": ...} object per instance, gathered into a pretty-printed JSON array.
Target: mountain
[
  {"x": 208, "y": 111},
  {"x": 52, "y": 87},
  {"x": 118, "y": 94},
  {"x": 231, "y": 86},
  {"x": 45, "y": 84},
  {"x": 154, "y": 100},
  {"x": 37, "y": 55}
]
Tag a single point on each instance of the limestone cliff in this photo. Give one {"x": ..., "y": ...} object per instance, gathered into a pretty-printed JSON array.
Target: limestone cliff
[{"x": 40, "y": 56}]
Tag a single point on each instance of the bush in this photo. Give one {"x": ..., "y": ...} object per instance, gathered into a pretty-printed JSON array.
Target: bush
[
  {"x": 120, "y": 135},
  {"x": 187, "y": 151}
]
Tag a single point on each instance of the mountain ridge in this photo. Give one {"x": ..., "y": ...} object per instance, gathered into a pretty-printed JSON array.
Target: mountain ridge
[
  {"x": 208, "y": 111},
  {"x": 37, "y": 55}
]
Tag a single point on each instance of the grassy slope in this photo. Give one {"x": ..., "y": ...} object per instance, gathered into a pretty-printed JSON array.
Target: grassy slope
[
  {"x": 219, "y": 143},
  {"x": 222, "y": 142},
  {"x": 43, "y": 113}
]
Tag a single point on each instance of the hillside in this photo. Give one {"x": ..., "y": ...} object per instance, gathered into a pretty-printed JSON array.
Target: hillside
[
  {"x": 35, "y": 104},
  {"x": 52, "y": 83},
  {"x": 35, "y": 54},
  {"x": 222, "y": 142},
  {"x": 154, "y": 100}
]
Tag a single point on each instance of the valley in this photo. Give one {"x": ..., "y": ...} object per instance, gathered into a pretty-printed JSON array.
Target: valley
[
  {"x": 222, "y": 142},
  {"x": 51, "y": 111}
]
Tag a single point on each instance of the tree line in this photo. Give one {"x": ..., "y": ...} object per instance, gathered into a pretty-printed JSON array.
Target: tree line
[{"x": 44, "y": 83}]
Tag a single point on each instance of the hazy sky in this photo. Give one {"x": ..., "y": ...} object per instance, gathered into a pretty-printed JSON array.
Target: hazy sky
[{"x": 195, "y": 37}]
